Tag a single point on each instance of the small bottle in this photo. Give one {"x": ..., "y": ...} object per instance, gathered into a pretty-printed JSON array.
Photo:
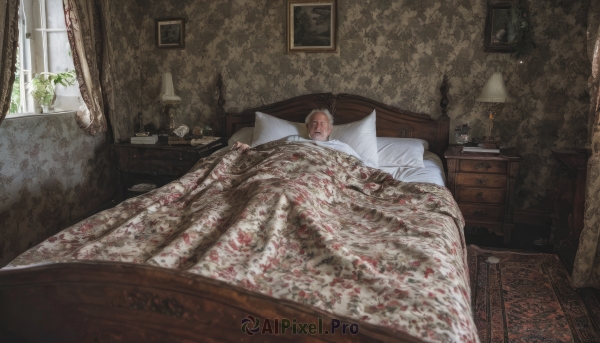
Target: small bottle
[{"x": 141, "y": 121}]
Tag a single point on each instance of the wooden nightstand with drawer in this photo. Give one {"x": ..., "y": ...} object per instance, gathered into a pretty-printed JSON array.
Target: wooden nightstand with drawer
[
  {"x": 157, "y": 164},
  {"x": 483, "y": 185}
]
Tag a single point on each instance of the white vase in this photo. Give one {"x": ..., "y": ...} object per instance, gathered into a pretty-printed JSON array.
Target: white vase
[{"x": 48, "y": 108}]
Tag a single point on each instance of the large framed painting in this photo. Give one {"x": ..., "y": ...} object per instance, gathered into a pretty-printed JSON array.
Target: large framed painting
[
  {"x": 311, "y": 26},
  {"x": 170, "y": 33},
  {"x": 500, "y": 30}
]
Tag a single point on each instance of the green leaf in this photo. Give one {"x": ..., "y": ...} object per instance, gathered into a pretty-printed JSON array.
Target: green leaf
[{"x": 43, "y": 85}]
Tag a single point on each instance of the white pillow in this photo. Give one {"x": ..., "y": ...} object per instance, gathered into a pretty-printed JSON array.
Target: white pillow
[
  {"x": 244, "y": 135},
  {"x": 268, "y": 128},
  {"x": 401, "y": 152},
  {"x": 361, "y": 136}
]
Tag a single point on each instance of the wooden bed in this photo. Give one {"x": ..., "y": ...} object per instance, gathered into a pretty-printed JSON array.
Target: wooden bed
[{"x": 92, "y": 301}]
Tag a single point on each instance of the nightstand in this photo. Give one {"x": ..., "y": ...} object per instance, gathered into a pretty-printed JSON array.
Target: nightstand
[
  {"x": 158, "y": 163},
  {"x": 483, "y": 185}
]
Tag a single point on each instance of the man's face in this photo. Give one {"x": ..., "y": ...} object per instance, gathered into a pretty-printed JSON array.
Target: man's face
[{"x": 318, "y": 127}]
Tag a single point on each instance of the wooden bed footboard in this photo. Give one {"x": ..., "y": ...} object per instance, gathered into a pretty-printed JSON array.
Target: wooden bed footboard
[{"x": 123, "y": 302}]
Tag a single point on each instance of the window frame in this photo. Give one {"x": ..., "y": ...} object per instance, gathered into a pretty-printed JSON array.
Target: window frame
[{"x": 33, "y": 57}]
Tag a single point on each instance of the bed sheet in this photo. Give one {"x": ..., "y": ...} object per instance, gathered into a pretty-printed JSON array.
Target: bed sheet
[
  {"x": 433, "y": 172},
  {"x": 300, "y": 222}
]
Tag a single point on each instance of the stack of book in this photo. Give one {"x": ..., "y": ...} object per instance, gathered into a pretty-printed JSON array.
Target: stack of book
[
  {"x": 144, "y": 140},
  {"x": 480, "y": 150},
  {"x": 178, "y": 140},
  {"x": 203, "y": 141}
]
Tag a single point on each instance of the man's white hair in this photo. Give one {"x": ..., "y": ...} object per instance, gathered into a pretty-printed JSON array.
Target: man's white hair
[{"x": 319, "y": 110}]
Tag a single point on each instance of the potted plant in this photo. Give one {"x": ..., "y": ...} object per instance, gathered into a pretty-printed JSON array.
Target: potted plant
[{"x": 43, "y": 87}]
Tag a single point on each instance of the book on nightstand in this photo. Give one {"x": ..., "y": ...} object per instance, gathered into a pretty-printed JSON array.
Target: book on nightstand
[
  {"x": 144, "y": 140},
  {"x": 175, "y": 140},
  {"x": 193, "y": 141},
  {"x": 480, "y": 150}
]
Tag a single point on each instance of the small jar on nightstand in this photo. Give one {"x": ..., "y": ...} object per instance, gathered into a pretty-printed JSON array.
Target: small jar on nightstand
[{"x": 483, "y": 185}]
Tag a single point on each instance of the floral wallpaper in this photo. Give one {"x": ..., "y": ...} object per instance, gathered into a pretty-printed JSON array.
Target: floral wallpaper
[
  {"x": 122, "y": 71},
  {"x": 392, "y": 51},
  {"x": 51, "y": 174}
]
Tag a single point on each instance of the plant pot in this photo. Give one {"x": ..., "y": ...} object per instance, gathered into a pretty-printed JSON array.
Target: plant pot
[{"x": 48, "y": 108}]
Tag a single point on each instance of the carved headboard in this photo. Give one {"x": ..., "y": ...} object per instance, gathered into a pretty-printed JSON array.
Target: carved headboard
[{"x": 345, "y": 108}]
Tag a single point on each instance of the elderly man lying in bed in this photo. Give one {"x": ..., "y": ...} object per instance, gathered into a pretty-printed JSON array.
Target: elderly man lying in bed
[{"x": 319, "y": 124}]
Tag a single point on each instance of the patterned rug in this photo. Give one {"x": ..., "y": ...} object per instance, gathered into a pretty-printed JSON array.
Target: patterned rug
[{"x": 520, "y": 297}]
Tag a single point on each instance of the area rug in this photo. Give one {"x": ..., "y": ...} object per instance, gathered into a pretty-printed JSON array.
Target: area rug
[{"x": 519, "y": 297}]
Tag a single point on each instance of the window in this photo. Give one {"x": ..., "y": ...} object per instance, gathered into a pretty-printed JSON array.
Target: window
[{"x": 43, "y": 47}]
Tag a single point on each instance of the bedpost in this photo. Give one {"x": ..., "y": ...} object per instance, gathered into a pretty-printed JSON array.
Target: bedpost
[
  {"x": 220, "y": 129},
  {"x": 333, "y": 104},
  {"x": 444, "y": 120}
]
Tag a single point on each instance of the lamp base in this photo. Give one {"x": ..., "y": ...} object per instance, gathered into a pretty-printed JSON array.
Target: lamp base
[{"x": 169, "y": 108}]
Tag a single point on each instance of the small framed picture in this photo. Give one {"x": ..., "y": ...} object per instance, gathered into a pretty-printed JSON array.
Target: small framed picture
[
  {"x": 170, "y": 33},
  {"x": 311, "y": 26},
  {"x": 499, "y": 27}
]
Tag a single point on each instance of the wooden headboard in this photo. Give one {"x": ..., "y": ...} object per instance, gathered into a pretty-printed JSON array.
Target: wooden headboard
[{"x": 345, "y": 108}]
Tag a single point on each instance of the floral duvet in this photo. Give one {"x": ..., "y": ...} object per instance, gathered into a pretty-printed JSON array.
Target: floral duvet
[{"x": 301, "y": 222}]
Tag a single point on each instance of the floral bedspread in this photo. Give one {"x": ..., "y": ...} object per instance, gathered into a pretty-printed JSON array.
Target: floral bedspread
[{"x": 301, "y": 222}]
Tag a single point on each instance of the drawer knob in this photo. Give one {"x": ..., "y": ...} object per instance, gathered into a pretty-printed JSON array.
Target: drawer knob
[
  {"x": 480, "y": 213},
  {"x": 481, "y": 181},
  {"x": 482, "y": 165},
  {"x": 479, "y": 196}
]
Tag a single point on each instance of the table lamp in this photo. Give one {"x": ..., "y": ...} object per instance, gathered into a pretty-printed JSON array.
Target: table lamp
[
  {"x": 493, "y": 91},
  {"x": 169, "y": 100}
]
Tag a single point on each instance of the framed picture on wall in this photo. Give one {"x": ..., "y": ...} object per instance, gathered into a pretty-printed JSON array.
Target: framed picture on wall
[
  {"x": 311, "y": 26},
  {"x": 499, "y": 27},
  {"x": 170, "y": 33}
]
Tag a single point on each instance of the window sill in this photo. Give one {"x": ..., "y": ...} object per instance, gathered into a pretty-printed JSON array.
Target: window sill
[{"x": 31, "y": 115}]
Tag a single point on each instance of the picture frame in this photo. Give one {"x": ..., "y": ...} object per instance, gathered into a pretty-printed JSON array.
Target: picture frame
[
  {"x": 170, "y": 33},
  {"x": 311, "y": 26},
  {"x": 499, "y": 29}
]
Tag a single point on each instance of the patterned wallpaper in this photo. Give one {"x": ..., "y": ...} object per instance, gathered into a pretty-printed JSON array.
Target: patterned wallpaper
[
  {"x": 392, "y": 51},
  {"x": 51, "y": 174},
  {"x": 122, "y": 69}
]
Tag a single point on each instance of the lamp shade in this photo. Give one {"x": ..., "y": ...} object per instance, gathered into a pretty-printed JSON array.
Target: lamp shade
[
  {"x": 167, "y": 91},
  {"x": 494, "y": 90}
]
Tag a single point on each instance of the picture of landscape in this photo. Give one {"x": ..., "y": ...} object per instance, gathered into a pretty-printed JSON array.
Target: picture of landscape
[{"x": 312, "y": 26}]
